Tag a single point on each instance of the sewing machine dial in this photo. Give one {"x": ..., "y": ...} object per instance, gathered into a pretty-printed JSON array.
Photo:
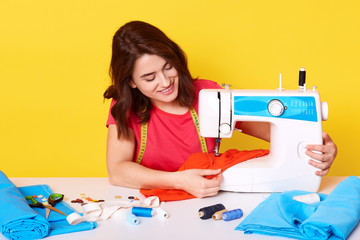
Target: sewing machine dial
[{"x": 276, "y": 108}]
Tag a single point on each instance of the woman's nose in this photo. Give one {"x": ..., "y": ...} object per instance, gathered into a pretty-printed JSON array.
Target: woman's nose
[{"x": 164, "y": 80}]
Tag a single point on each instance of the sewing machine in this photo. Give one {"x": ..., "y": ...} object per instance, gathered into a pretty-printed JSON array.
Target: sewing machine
[{"x": 295, "y": 118}]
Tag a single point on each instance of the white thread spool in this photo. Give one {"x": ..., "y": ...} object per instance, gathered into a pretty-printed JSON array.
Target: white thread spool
[
  {"x": 131, "y": 218},
  {"x": 308, "y": 198},
  {"x": 162, "y": 213}
]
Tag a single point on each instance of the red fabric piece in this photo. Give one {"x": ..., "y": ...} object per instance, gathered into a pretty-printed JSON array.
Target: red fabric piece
[{"x": 204, "y": 161}]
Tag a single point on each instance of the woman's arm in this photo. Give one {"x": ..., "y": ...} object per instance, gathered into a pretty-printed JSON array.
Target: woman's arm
[
  {"x": 124, "y": 172},
  {"x": 256, "y": 129}
]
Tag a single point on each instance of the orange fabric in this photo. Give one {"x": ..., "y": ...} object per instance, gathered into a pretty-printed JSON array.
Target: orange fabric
[{"x": 204, "y": 161}]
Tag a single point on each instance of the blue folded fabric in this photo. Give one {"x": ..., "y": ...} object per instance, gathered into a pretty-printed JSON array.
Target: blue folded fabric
[
  {"x": 334, "y": 217},
  {"x": 19, "y": 221}
]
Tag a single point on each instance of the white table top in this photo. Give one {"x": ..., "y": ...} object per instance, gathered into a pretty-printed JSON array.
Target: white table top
[{"x": 183, "y": 221}]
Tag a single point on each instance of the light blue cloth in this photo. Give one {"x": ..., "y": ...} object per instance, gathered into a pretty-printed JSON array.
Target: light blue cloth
[
  {"x": 19, "y": 221},
  {"x": 334, "y": 217}
]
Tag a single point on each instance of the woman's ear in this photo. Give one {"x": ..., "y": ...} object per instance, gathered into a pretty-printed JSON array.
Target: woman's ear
[{"x": 132, "y": 84}]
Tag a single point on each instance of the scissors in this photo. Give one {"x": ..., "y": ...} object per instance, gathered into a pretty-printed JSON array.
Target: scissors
[{"x": 52, "y": 200}]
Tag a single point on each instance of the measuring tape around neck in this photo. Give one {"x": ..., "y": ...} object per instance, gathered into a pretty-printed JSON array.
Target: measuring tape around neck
[
  {"x": 144, "y": 127},
  {"x": 142, "y": 142},
  {"x": 196, "y": 122}
]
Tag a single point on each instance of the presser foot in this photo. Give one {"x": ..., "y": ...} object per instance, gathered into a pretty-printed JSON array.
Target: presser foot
[{"x": 216, "y": 150}]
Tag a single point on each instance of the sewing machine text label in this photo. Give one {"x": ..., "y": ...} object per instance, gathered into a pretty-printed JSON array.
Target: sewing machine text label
[{"x": 297, "y": 108}]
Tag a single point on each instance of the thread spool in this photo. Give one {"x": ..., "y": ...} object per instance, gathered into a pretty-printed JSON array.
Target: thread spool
[
  {"x": 132, "y": 219},
  {"x": 207, "y": 212},
  {"x": 162, "y": 213},
  {"x": 308, "y": 198},
  {"x": 142, "y": 212},
  {"x": 233, "y": 214},
  {"x": 218, "y": 214}
]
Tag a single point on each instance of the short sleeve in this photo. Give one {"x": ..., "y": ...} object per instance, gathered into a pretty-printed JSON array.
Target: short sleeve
[
  {"x": 110, "y": 119},
  {"x": 203, "y": 84}
]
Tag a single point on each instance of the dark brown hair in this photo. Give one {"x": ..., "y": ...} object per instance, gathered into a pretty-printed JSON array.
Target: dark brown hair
[{"x": 131, "y": 41}]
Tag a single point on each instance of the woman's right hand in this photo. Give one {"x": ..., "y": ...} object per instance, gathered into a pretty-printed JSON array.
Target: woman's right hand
[{"x": 194, "y": 182}]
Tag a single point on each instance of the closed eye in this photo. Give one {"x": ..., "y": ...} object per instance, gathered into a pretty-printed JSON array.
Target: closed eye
[
  {"x": 148, "y": 76},
  {"x": 168, "y": 66}
]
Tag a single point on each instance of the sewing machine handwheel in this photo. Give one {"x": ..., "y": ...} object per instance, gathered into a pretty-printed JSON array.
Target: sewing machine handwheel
[
  {"x": 275, "y": 107},
  {"x": 324, "y": 111}
]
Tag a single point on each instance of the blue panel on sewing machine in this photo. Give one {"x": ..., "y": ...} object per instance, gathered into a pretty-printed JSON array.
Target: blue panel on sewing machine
[{"x": 298, "y": 108}]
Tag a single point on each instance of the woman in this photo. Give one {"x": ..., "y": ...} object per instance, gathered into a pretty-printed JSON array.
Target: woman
[{"x": 154, "y": 94}]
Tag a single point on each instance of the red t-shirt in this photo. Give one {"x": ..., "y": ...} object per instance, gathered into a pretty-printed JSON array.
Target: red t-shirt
[{"x": 171, "y": 139}]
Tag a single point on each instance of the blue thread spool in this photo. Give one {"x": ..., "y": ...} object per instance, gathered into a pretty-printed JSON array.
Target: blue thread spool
[
  {"x": 207, "y": 212},
  {"x": 142, "y": 212},
  {"x": 233, "y": 214},
  {"x": 131, "y": 218}
]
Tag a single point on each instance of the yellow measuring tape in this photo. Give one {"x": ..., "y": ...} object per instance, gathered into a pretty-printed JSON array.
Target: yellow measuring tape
[
  {"x": 142, "y": 142},
  {"x": 196, "y": 122},
  {"x": 144, "y": 127}
]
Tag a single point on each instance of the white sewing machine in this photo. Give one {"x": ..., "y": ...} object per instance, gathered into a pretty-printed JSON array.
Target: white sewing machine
[{"x": 295, "y": 118}]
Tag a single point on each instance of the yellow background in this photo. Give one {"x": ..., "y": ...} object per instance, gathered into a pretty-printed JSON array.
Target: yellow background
[{"x": 55, "y": 57}]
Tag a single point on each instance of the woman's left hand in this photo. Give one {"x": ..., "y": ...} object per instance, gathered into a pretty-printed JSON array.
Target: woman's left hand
[{"x": 325, "y": 158}]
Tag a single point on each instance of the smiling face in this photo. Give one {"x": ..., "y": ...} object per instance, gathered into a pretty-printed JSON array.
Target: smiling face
[{"x": 157, "y": 79}]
